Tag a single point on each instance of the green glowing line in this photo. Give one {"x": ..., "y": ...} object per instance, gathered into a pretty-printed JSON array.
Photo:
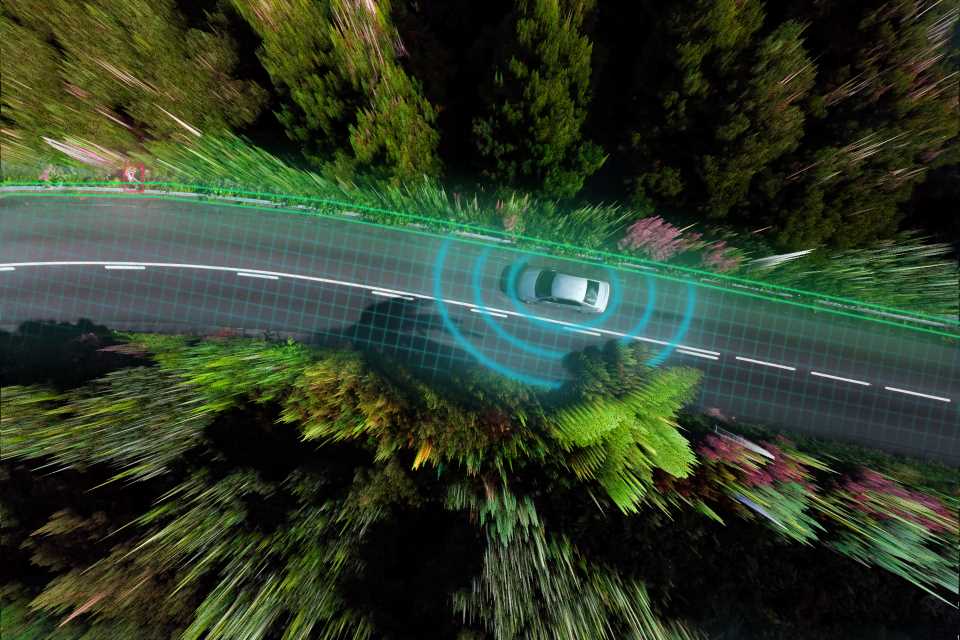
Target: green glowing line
[
  {"x": 492, "y": 231},
  {"x": 447, "y": 223}
]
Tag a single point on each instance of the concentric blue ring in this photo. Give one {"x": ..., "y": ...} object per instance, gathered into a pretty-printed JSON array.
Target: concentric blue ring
[
  {"x": 466, "y": 344},
  {"x": 681, "y": 331},
  {"x": 478, "y": 300},
  {"x": 500, "y": 331}
]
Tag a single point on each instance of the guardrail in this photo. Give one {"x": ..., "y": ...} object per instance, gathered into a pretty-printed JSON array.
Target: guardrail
[{"x": 855, "y": 309}]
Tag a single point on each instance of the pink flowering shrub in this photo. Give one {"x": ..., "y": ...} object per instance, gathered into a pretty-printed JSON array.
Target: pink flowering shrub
[
  {"x": 720, "y": 257},
  {"x": 655, "y": 238},
  {"x": 877, "y": 496},
  {"x": 780, "y": 489},
  {"x": 866, "y": 516},
  {"x": 907, "y": 532}
]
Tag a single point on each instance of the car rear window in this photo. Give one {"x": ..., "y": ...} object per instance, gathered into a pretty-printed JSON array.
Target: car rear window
[
  {"x": 544, "y": 286},
  {"x": 593, "y": 288}
]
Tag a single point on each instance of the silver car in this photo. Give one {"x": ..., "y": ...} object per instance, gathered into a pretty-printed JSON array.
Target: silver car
[{"x": 536, "y": 285}]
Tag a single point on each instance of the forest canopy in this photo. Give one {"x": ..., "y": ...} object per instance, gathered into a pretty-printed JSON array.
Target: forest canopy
[{"x": 816, "y": 121}]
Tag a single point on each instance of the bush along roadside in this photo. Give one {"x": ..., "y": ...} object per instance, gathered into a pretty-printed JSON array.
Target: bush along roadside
[{"x": 859, "y": 512}]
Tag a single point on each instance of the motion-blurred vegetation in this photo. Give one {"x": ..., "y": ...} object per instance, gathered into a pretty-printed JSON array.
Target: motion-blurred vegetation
[
  {"x": 238, "y": 488},
  {"x": 171, "y": 487}
]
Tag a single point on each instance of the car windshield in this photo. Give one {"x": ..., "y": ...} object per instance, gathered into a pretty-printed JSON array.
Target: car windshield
[
  {"x": 593, "y": 288},
  {"x": 544, "y": 285}
]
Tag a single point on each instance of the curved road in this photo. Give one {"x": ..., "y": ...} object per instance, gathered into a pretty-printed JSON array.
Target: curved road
[{"x": 148, "y": 263}]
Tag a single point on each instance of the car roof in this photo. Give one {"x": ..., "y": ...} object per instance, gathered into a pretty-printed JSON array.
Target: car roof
[{"x": 569, "y": 287}]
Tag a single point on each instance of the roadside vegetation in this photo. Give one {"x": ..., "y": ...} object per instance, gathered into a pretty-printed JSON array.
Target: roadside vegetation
[
  {"x": 908, "y": 271},
  {"x": 231, "y": 488}
]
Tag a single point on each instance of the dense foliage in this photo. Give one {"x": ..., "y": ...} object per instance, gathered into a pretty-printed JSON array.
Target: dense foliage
[
  {"x": 814, "y": 121},
  {"x": 233, "y": 488},
  {"x": 905, "y": 272},
  {"x": 347, "y": 99},
  {"x": 165, "y": 487},
  {"x": 537, "y": 100},
  {"x": 97, "y": 78}
]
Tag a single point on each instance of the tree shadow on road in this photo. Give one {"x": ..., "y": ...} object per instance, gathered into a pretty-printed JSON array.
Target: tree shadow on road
[{"x": 405, "y": 331}]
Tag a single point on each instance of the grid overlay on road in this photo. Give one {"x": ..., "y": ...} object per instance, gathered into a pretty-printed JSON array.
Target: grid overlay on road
[{"x": 335, "y": 279}]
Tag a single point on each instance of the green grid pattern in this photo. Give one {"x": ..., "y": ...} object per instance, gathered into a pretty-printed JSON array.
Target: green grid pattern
[
  {"x": 118, "y": 228},
  {"x": 321, "y": 205}
]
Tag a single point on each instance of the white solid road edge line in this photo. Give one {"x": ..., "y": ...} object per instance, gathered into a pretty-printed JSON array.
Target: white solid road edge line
[
  {"x": 256, "y": 275},
  {"x": 489, "y": 313},
  {"x": 8, "y": 268},
  {"x": 387, "y": 294},
  {"x": 919, "y": 395},
  {"x": 275, "y": 275},
  {"x": 124, "y": 267},
  {"x": 699, "y": 355},
  {"x": 851, "y": 380},
  {"x": 766, "y": 364},
  {"x": 584, "y": 331}
]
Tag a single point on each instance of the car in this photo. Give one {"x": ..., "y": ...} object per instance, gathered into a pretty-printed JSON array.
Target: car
[{"x": 536, "y": 285}]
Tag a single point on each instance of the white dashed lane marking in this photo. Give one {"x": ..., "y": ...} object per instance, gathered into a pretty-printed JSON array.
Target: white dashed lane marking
[
  {"x": 490, "y": 313},
  {"x": 831, "y": 377},
  {"x": 766, "y": 364},
  {"x": 388, "y": 294},
  {"x": 499, "y": 313},
  {"x": 699, "y": 355},
  {"x": 584, "y": 331},
  {"x": 919, "y": 395}
]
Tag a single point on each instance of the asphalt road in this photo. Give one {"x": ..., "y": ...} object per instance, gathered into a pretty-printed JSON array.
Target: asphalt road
[{"x": 151, "y": 264}]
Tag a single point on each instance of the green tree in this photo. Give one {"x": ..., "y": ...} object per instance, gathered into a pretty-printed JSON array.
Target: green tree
[
  {"x": 883, "y": 115},
  {"x": 347, "y": 98},
  {"x": 718, "y": 100},
  {"x": 530, "y": 134},
  {"x": 118, "y": 589},
  {"x": 227, "y": 550},
  {"x": 20, "y": 622},
  {"x": 145, "y": 74},
  {"x": 139, "y": 419},
  {"x": 538, "y": 586},
  {"x": 471, "y": 424}
]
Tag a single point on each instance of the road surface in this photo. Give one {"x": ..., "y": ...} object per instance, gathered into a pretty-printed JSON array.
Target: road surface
[{"x": 157, "y": 264}]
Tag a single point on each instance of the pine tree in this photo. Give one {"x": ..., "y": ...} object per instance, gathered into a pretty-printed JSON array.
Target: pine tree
[
  {"x": 347, "y": 98},
  {"x": 717, "y": 105},
  {"x": 530, "y": 133}
]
